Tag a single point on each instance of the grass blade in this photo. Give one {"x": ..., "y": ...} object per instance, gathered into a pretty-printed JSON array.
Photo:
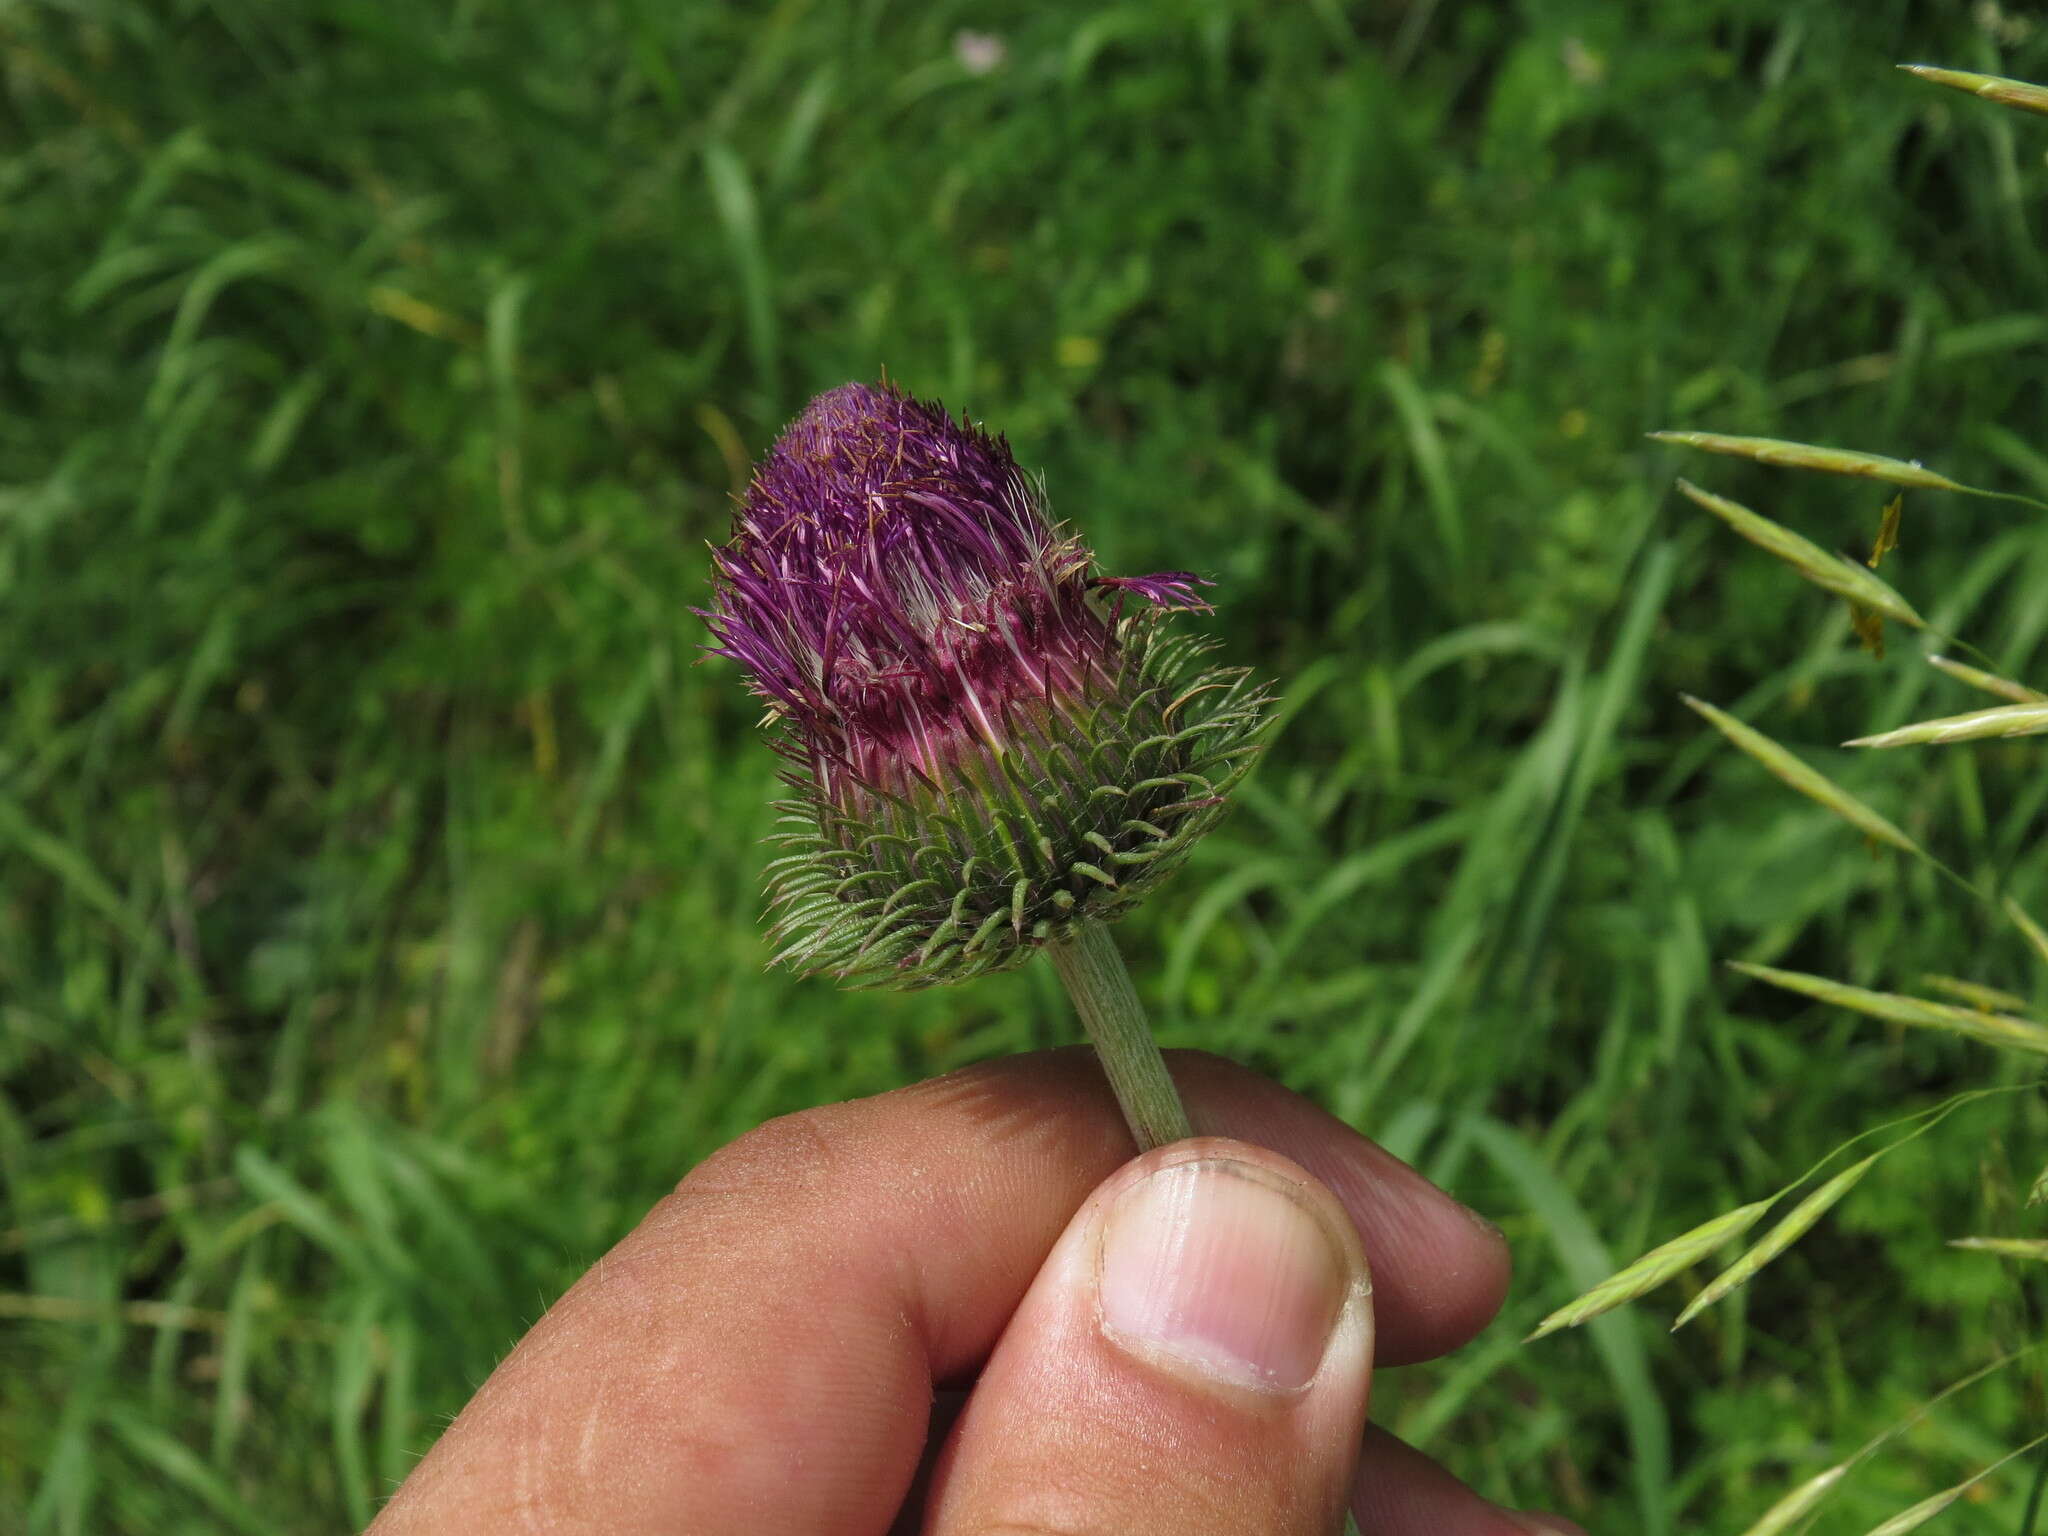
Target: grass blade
[
  {"x": 1830, "y": 572},
  {"x": 1653, "y": 1268},
  {"x": 1795, "y": 1225},
  {"x": 171, "y": 1459},
  {"x": 1809, "y": 781},
  {"x": 1615, "y": 1339},
  {"x": 1915, "y": 1012},
  {"x": 1432, "y": 466},
  {"x": 2036, "y": 935},
  {"x": 2006, "y": 721},
  {"x": 732, "y": 194},
  {"x": 1781, "y": 454},
  {"x": 1993, "y": 88}
]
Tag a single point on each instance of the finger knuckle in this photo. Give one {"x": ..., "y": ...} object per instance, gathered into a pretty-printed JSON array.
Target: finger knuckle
[{"x": 795, "y": 1154}]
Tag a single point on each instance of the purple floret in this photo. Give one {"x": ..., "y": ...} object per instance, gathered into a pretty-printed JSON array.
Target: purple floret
[{"x": 896, "y": 592}]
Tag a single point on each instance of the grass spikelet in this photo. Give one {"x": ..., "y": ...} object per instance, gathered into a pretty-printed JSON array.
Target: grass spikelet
[
  {"x": 1798, "y": 1503},
  {"x": 1781, "y": 454},
  {"x": 2017, "y": 94},
  {"x": 2038, "y": 1195},
  {"x": 1802, "y": 1500},
  {"x": 1988, "y": 682},
  {"x": 1914, "y": 1012},
  {"x": 2007, "y": 1247},
  {"x": 1912, "y": 1519},
  {"x": 1795, "y": 1225},
  {"x": 1980, "y": 725},
  {"x": 2035, "y": 934},
  {"x": 1653, "y": 1268},
  {"x": 1975, "y": 994},
  {"x": 1830, "y": 572},
  {"x": 1809, "y": 781}
]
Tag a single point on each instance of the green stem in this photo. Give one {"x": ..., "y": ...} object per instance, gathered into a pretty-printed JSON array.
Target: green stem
[{"x": 1096, "y": 980}]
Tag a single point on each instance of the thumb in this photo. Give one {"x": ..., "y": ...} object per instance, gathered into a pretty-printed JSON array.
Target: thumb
[{"x": 1193, "y": 1356}]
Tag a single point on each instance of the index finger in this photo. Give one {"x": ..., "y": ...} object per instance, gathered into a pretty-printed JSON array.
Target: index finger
[{"x": 759, "y": 1354}]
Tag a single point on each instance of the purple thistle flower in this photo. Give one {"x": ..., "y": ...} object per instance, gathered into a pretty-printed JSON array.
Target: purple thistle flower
[
  {"x": 896, "y": 592},
  {"x": 951, "y": 692}
]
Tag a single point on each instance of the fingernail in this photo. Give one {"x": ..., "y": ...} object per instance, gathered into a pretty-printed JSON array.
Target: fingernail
[
  {"x": 1543, "y": 1525},
  {"x": 1218, "y": 1265}
]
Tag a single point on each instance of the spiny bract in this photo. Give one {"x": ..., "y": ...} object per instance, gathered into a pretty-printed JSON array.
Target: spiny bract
[{"x": 989, "y": 745}]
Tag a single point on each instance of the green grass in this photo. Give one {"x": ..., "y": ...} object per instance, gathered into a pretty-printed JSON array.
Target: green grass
[{"x": 378, "y": 870}]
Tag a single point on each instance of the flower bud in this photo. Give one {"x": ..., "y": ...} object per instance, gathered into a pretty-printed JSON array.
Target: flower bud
[{"x": 988, "y": 744}]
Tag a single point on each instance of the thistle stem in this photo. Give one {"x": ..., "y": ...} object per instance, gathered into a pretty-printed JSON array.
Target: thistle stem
[{"x": 1101, "y": 988}]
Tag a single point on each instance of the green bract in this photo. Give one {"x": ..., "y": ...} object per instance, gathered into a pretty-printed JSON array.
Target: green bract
[{"x": 1071, "y": 822}]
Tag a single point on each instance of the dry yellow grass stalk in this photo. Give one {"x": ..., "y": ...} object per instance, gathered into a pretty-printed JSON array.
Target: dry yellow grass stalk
[
  {"x": 1809, "y": 781},
  {"x": 2007, "y": 93},
  {"x": 136, "y": 1314},
  {"x": 1980, "y": 725},
  {"x": 1830, "y": 572},
  {"x": 1781, "y": 454}
]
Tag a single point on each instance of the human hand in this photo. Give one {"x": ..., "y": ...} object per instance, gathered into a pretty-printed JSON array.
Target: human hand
[{"x": 1180, "y": 1343}]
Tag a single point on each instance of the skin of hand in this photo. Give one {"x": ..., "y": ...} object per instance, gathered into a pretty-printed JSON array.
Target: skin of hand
[{"x": 1182, "y": 1343}]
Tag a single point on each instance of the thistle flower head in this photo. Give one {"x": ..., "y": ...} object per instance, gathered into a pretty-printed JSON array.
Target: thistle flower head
[{"x": 988, "y": 742}]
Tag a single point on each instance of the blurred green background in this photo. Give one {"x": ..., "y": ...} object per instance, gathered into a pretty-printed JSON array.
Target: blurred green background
[{"x": 378, "y": 870}]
